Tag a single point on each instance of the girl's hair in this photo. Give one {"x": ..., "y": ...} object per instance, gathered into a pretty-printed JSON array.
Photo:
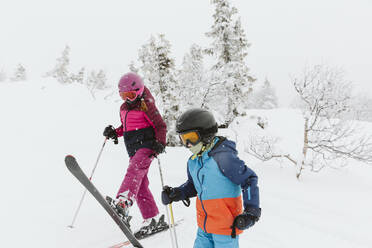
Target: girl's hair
[{"x": 143, "y": 105}]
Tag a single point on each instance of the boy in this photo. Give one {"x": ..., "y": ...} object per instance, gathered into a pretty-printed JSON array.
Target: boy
[{"x": 219, "y": 179}]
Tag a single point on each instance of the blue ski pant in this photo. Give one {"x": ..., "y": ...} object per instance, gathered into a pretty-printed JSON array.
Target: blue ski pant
[{"x": 210, "y": 240}]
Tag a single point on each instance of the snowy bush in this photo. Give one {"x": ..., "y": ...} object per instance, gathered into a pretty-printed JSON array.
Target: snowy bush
[
  {"x": 60, "y": 70},
  {"x": 93, "y": 80},
  {"x": 257, "y": 137},
  {"x": 264, "y": 97},
  {"x": 79, "y": 77},
  {"x": 361, "y": 108},
  {"x": 96, "y": 81},
  {"x": 19, "y": 74},
  {"x": 2, "y": 75}
]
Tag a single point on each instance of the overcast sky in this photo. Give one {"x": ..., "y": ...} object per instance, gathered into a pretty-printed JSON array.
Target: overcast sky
[{"x": 285, "y": 35}]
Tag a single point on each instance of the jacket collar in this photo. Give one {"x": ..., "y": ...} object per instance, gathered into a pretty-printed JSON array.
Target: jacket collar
[{"x": 209, "y": 147}]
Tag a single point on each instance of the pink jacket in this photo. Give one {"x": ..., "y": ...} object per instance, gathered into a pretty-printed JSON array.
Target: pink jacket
[{"x": 136, "y": 122}]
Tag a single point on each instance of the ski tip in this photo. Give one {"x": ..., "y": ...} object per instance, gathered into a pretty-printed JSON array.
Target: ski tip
[{"x": 69, "y": 158}]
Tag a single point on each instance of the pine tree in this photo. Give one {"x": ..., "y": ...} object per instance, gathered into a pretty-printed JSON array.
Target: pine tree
[
  {"x": 133, "y": 67},
  {"x": 19, "y": 74},
  {"x": 158, "y": 70},
  {"x": 192, "y": 78},
  {"x": 96, "y": 81},
  {"x": 265, "y": 97},
  {"x": 101, "y": 80},
  {"x": 2, "y": 75},
  {"x": 79, "y": 77},
  {"x": 60, "y": 71},
  {"x": 230, "y": 76}
]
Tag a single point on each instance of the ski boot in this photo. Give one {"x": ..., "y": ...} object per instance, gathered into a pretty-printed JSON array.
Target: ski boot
[
  {"x": 151, "y": 226},
  {"x": 121, "y": 207}
]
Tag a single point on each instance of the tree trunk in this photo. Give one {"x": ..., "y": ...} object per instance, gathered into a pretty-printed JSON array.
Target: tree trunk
[{"x": 304, "y": 149}]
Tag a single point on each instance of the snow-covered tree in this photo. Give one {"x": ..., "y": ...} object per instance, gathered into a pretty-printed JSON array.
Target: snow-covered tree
[
  {"x": 79, "y": 77},
  {"x": 264, "y": 97},
  {"x": 2, "y": 75},
  {"x": 325, "y": 97},
  {"x": 192, "y": 78},
  {"x": 60, "y": 70},
  {"x": 258, "y": 141},
  {"x": 361, "y": 108},
  {"x": 329, "y": 139},
  {"x": 230, "y": 78},
  {"x": 19, "y": 74},
  {"x": 96, "y": 81},
  {"x": 133, "y": 67},
  {"x": 158, "y": 69}
]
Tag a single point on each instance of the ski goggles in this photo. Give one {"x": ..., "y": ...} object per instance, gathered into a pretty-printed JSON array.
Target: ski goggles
[
  {"x": 190, "y": 138},
  {"x": 128, "y": 95}
]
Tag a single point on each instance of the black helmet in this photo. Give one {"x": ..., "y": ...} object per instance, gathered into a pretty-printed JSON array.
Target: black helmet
[{"x": 200, "y": 120}]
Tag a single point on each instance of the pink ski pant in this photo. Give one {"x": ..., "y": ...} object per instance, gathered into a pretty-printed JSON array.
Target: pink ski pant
[{"x": 136, "y": 182}]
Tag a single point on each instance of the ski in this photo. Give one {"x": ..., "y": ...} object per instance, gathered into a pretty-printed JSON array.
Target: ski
[
  {"x": 75, "y": 169},
  {"x": 126, "y": 243}
]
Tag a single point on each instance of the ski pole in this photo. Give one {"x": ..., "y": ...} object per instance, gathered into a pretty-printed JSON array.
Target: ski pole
[
  {"x": 173, "y": 224},
  {"x": 85, "y": 191},
  {"x": 172, "y": 227}
]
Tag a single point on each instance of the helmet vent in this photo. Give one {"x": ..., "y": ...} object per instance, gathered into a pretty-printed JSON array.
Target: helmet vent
[{"x": 134, "y": 83}]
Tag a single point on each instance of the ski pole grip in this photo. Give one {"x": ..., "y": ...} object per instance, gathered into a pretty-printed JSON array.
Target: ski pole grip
[{"x": 116, "y": 141}]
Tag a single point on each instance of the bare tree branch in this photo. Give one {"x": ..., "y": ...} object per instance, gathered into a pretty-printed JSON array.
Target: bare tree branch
[{"x": 325, "y": 97}]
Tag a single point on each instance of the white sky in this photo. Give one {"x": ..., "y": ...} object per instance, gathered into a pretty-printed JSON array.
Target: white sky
[{"x": 286, "y": 35}]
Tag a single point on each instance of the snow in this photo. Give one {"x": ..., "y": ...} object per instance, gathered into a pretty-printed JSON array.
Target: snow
[{"x": 43, "y": 121}]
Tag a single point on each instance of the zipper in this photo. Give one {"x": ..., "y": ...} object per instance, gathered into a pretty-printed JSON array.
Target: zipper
[
  {"x": 201, "y": 193},
  {"x": 249, "y": 193},
  {"x": 125, "y": 120}
]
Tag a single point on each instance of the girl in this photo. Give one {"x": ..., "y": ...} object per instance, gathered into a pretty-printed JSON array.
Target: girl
[{"x": 144, "y": 133}]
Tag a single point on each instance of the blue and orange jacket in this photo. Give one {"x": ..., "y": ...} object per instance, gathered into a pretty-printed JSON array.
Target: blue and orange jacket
[{"x": 220, "y": 181}]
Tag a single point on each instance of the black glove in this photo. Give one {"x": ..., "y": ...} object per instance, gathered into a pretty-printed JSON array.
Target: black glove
[
  {"x": 169, "y": 195},
  {"x": 158, "y": 147},
  {"x": 110, "y": 133},
  {"x": 248, "y": 218}
]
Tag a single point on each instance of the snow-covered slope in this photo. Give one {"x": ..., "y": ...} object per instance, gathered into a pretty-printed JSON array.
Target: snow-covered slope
[{"x": 42, "y": 121}]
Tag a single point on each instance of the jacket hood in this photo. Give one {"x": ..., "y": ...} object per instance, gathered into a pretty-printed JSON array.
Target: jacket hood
[{"x": 223, "y": 145}]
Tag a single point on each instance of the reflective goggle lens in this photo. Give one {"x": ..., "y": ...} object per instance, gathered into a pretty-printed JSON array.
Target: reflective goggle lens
[
  {"x": 191, "y": 137},
  {"x": 131, "y": 95}
]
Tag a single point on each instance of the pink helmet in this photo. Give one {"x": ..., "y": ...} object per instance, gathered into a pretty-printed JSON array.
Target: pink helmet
[{"x": 131, "y": 82}]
